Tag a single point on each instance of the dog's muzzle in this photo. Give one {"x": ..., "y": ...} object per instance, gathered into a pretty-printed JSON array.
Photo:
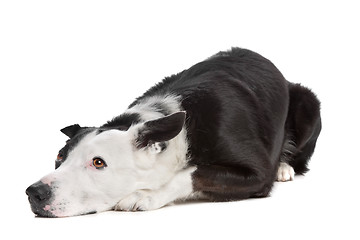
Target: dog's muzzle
[{"x": 39, "y": 195}]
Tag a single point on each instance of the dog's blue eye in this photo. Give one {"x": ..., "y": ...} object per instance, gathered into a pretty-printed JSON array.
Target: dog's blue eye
[{"x": 99, "y": 163}]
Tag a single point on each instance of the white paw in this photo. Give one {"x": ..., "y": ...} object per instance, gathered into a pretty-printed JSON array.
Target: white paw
[
  {"x": 141, "y": 200},
  {"x": 285, "y": 173}
]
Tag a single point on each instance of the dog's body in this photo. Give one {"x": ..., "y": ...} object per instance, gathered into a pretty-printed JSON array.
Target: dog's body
[{"x": 223, "y": 130}]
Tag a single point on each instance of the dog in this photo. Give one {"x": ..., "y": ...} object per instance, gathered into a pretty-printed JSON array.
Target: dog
[{"x": 223, "y": 130}]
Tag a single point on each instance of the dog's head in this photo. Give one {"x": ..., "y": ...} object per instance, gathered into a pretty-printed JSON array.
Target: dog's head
[{"x": 99, "y": 166}]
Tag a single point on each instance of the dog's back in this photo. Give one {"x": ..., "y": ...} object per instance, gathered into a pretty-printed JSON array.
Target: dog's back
[{"x": 243, "y": 118}]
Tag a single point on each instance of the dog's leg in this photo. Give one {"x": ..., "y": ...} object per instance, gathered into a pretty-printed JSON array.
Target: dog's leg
[
  {"x": 220, "y": 183},
  {"x": 179, "y": 187}
]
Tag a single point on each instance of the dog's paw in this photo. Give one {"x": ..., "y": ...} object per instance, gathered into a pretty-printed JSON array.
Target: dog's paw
[
  {"x": 141, "y": 200},
  {"x": 285, "y": 173}
]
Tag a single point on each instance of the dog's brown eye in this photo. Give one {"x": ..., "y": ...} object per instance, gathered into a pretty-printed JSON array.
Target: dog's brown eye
[
  {"x": 99, "y": 163},
  {"x": 59, "y": 157}
]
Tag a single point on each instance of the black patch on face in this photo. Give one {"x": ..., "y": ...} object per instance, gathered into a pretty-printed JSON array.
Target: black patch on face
[
  {"x": 72, "y": 143},
  {"x": 122, "y": 122}
]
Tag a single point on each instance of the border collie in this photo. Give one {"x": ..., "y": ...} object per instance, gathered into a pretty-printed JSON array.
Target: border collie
[{"x": 223, "y": 130}]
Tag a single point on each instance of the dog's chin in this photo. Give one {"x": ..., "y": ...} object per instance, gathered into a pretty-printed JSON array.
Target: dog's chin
[
  {"x": 41, "y": 213},
  {"x": 45, "y": 215}
]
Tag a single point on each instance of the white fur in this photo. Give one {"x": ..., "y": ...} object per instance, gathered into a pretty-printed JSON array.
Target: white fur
[
  {"x": 179, "y": 187},
  {"x": 285, "y": 172},
  {"x": 134, "y": 179}
]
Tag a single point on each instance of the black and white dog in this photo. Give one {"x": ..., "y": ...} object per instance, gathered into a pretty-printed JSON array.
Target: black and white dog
[{"x": 223, "y": 130}]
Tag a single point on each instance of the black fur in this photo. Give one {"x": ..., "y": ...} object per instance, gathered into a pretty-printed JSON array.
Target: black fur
[
  {"x": 71, "y": 130},
  {"x": 241, "y": 116},
  {"x": 303, "y": 124}
]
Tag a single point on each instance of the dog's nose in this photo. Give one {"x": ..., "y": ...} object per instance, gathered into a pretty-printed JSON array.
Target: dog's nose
[{"x": 39, "y": 192}]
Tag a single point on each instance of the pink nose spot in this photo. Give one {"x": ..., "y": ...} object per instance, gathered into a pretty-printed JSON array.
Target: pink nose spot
[{"x": 47, "y": 207}]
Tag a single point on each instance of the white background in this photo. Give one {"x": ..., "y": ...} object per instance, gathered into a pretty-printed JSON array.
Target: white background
[{"x": 65, "y": 62}]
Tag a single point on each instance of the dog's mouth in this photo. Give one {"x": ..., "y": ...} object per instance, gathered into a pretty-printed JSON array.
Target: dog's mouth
[
  {"x": 45, "y": 211},
  {"x": 40, "y": 210}
]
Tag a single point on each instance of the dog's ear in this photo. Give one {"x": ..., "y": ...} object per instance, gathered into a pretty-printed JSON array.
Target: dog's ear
[
  {"x": 71, "y": 130},
  {"x": 160, "y": 130}
]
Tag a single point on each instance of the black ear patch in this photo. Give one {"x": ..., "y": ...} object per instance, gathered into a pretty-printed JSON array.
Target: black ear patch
[
  {"x": 160, "y": 130},
  {"x": 71, "y": 130}
]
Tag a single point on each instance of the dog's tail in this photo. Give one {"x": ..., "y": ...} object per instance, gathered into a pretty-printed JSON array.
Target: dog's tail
[{"x": 303, "y": 126}]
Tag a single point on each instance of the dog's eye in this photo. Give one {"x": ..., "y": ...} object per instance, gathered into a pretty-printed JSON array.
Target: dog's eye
[
  {"x": 99, "y": 163},
  {"x": 59, "y": 157}
]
